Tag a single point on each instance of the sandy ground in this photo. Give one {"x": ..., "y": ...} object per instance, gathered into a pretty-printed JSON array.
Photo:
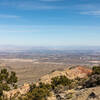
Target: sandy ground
[{"x": 29, "y": 70}]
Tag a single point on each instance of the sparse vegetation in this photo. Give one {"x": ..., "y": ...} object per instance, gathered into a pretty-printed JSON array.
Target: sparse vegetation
[
  {"x": 93, "y": 81},
  {"x": 40, "y": 92},
  {"x": 7, "y": 81},
  {"x": 96, "y": 70},
  {"x": 62, "y": 80},
  {"x": 94, "y": 78}
]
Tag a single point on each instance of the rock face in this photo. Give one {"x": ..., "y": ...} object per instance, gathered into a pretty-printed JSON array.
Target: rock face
[
  {"x": 47, "y": 78},
  {"x": 17, "y": 92},
  {"x": 84, "y": 94},
  {"x": 80, "y": 72},
  {"x": 88, "y": 94}
]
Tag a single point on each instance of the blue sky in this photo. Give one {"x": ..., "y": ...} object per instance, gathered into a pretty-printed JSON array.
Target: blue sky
[{"x": 50, "y": 22}]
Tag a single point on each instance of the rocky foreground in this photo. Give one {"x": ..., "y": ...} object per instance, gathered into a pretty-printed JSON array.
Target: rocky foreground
[
  {"x": 84, "y": 94},
  {"x": 84, "y": 86}
]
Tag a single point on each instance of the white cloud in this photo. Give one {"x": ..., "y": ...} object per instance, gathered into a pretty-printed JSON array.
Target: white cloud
[
  {"x": 31, "y": 5},
  {"x": 87, "y": 6},
  {"x": 40, "y": 7},
  {"x": 95, "y": 13},
  {"x": 8, "y": 16}
]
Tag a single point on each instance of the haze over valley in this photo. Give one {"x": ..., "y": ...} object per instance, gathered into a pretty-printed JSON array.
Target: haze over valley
[{"x": 30, "y": 63}]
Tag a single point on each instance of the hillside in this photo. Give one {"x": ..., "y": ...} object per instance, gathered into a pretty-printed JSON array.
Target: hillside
[{"x": 77, "y": 83}]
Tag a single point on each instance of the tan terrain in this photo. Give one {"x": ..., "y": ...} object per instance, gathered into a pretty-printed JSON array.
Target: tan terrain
[
  {"x": 83, "y": 94},
  {"x": 28, "y": 70}
]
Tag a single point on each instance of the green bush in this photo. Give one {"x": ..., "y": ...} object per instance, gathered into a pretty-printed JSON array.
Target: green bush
[
  {"x": 62, "y": 80},
  {"x": 7, "y": 80},
  {"x": 93, "y": 81},
  {"x": 40, "y": 92},
  {"x": 96, "y": 70},
  {"x": 32, "y": 86},
  {"x": 45, "y": 86}
]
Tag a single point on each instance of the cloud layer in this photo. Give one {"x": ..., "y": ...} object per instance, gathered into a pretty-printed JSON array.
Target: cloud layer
[
  {"x": 95, "y": 13},
  {"x": 8, "y": 16}
]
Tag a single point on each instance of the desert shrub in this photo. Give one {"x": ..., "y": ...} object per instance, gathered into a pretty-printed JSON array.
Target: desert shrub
[
  {"x": 93, "y": 81},
  {"x": 81, "y": 81},
  {"x": 58, "y": 89},
  {"x": 32, "y": 86},
  {"x": 45, "y": 86},
  {"x": 96, "y": 70},
  {"x": 7, "y": 80},
  {"x": 62, "y": 80},
  {"x": 40, "y": 92},
  {"x": 69, "y": 96}
]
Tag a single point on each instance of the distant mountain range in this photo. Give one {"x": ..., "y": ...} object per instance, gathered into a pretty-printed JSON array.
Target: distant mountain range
[{"x": 13, "y": 48}]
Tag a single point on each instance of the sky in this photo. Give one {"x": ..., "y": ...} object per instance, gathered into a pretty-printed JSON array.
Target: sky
[{"x": 50, "y": 22}]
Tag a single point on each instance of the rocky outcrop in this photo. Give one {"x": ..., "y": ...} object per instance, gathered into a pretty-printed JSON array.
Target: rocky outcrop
[
  {"x": 88, "y": 94},
  {"x": 17, "y": 92},
  {"x": 47, "y": 78},
  {"x": 80, "y": 72},
  {"x": 72, "y": 73},
  {"x": 84, "y": 94}
]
